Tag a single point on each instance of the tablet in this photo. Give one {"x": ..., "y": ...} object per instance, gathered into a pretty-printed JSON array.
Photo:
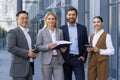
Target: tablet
[{"x": 88, "y": 46}]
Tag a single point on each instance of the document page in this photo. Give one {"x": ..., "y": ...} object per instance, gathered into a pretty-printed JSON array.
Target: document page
[{"x": 61, "y": 44}]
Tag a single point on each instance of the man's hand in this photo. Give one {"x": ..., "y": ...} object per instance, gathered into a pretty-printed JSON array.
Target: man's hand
[
  {"x": 81, "y": 58},
  {"x": 31, "y": 54}
]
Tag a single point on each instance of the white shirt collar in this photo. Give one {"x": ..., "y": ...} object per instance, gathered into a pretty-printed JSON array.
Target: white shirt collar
[
  {"x": 100, "y": 32},
  {"x": 72, "y": 25},
  {"x": 53, "y": 31},
  {"x": 24, "y": 29}
]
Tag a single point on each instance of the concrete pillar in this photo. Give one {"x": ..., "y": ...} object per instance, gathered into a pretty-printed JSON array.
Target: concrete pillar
[
  {"x": 81, "y": 11},
  {"x": 63, "y": 13},
  {"x": 19, "y": 5}
]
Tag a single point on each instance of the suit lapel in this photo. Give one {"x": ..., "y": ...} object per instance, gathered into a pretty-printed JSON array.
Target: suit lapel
[
  {"x": 21, "y": 34},
  {"x": 78, "y": 31},
  {"x": 47, "y": 33},
  {"x": 67, "y": 33},
  {"x": 30, "y": 33},
  {"x": 57, "y": 35}
]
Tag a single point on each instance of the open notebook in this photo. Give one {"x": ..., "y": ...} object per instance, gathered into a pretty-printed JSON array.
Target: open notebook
[{"x": 60, "y": 44}]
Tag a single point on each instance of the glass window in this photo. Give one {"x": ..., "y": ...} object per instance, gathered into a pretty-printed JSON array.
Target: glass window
[
  {"x": 113, "y": 1},
  {"x": 119, "y": 31},
  {"x": 113, "y": 25},
  {"x": 67, "y": 2}
]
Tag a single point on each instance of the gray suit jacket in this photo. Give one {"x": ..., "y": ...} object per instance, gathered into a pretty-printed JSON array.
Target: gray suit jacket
[
  {"x": 43, "y": 38},
  {"x": 18, "y": 46}
]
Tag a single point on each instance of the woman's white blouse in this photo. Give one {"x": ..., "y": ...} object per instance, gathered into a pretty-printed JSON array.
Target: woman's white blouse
[{"x": 109, "y": 45}]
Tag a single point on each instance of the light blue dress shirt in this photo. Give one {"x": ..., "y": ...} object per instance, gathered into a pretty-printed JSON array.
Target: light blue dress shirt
[{"x": 72, "y": 29}]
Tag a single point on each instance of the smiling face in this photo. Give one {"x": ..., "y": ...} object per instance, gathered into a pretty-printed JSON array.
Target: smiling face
[
  {"x": 51, "y": 21},
  {"x": 97, "y": 23},
  {"x": 22, "y": 19},
  {"x": 71, "y": 16}
]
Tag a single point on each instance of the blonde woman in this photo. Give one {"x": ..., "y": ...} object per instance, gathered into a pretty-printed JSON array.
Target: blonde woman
[{"x": 52, "y": 61}]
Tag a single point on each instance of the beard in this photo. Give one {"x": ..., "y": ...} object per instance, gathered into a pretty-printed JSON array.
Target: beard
[{"x": 71, "y": 20}]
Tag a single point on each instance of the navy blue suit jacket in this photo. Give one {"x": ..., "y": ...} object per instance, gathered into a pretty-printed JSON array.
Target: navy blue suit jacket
[{"x": 82, "y": 40}]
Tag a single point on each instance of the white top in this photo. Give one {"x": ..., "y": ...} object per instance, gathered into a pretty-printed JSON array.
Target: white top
[
  {"x": 53, "y": 36},
  {"x": 109, "y": 45},
  {"x": 28, "y": 38}
]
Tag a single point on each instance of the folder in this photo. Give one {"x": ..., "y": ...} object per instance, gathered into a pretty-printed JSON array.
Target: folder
[
  {"x": 36, "y": 51},
  {"x": 60, "y": 44}
]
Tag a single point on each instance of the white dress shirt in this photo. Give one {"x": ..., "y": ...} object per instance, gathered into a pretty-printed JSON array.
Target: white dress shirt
[
  {"x": 28, "y": 38},
  {"x": 109, "y": 45},
  {"x": 53, "y": 36}
]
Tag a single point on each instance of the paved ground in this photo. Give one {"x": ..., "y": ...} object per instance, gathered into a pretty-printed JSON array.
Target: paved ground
[
  {"x": 4, "y": 65},
  {"x": 5, "y": 59}
]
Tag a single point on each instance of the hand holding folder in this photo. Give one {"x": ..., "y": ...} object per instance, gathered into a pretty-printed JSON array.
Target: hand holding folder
[
  {"x": 60, "y": 44},
  {"x": 36, "y": 51}
]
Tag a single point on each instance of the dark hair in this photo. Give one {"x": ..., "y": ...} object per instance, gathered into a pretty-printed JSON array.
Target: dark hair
[
  {"x": 72, "y": 8},
  {"x": 21, "y": 12},
  {"x": 99, "y": 17}
]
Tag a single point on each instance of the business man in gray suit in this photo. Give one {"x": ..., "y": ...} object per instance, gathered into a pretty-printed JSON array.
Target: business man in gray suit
[
  {"x": 52, "y": 61},
  {"x": 20, "y": 45}
]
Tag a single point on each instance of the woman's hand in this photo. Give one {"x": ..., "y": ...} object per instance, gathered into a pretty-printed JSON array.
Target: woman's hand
[
  {"x": 96, "y": 49},
  {"x": 89, "y": 49},
  {"x": 51, "y": 45}
]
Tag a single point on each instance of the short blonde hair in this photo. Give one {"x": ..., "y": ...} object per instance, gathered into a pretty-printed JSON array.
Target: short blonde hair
[{"x": 46, "y": 16}]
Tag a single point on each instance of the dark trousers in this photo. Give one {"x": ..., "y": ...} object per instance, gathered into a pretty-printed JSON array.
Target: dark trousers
[
  {"x": 76, "y": 66},
  {"x": 30, "y": 74}
]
